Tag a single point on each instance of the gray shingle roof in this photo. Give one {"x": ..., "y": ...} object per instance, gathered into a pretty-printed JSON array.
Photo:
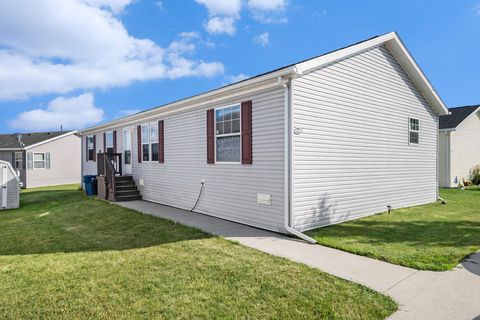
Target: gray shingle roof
[
  {"x": 10, "y": 140},
  {"x": 458, "y": 115}
]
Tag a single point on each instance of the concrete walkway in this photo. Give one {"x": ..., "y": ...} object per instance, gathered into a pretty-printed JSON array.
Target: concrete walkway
[{"x": 420, "y": 294}]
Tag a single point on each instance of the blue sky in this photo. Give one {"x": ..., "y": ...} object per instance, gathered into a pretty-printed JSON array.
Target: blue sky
[{"x": 95, "y": 60}]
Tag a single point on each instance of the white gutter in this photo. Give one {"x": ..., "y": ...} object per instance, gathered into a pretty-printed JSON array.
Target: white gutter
[{"x": 288, "y": 166}]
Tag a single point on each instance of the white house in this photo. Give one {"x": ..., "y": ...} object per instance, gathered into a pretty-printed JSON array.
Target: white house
[
  {"x": 333, "y": 138},
  {"x": 9, "y": 187},
  {"x": 459, "y": 145},
  {"x": 43, "y": 158}
]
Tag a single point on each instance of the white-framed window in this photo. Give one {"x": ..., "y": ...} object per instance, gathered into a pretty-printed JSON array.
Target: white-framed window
[
  {"x": 18, "y": 160},
  {"x": 38, "y": 160},
  {"x": 91, "y": 150},
  {"x": 154, "y": 141},
  {"x": 228, "y": 134},
  {"x": 145, "y": 143},
  {"x": 413, "y": 131},
  {"x": 109, "y": 142},
  {"x": 150, "y": 142}
]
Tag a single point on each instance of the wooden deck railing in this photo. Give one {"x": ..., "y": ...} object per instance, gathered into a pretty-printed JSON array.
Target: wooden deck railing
[{"x": 109, "y": 165}]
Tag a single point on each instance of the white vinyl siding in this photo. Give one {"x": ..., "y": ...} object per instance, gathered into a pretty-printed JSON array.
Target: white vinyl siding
[
  {"x": 444, "y": 159},
  {"x": 353, "y": 157},
  {"x": 231, "y": 189},
  {"x": 464, "y": 149}
]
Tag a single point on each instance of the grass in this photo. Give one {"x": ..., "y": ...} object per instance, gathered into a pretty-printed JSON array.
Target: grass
[
  {"x": 430, "y": 237},
  {"x": 66, "y": 256}
]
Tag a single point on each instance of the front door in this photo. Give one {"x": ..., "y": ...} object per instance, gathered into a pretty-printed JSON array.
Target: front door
[{"x": 127, "y": 150}]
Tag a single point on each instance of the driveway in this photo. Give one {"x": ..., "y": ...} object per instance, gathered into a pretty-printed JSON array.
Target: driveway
[{"x": 449, "y": 295}]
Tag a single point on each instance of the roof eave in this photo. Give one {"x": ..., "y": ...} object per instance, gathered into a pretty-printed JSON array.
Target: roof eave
[
  {"x": 281, "y": 73},
  {"x": 398, "y": 49}
]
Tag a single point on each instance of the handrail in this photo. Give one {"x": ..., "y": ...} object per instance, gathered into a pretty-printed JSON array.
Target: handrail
[{"x": 109, "y": 165}]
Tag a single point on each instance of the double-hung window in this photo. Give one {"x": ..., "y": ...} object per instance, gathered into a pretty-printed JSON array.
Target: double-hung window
[
  {"x": 414, "y": 131},
  {"x": 154, "y": 141},
  {"x": 109, "y": 142},
  {"x": 19, "y": 160},
  {"x": 39, "y": 160},
  {"x": 90, "y": 147},
  {"x": 145, "y": 142},
  {"x": 150, "y": 142},
  {"x": 227, "y": 134}
]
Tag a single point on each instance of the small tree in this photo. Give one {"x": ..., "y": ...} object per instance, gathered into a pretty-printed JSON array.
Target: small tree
[{"x": 475, "y": 175}]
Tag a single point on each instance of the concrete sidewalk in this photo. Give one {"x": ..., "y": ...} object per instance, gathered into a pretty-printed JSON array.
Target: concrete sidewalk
[{"x": 420, "y": 294}]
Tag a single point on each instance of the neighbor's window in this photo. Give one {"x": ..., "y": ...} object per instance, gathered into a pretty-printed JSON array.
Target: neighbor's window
[
  {"x": 145, "y": 142},
  {"x": 39, "y": 160},
  {"x": 414, "y": 131},
  {"x": 109, "y": 142},
  {"x": 19, "y": 160},
  {"x": 154, "y": 141},
  {"x": 227, "y": 134},
  {"x": 91, "y": 151}
]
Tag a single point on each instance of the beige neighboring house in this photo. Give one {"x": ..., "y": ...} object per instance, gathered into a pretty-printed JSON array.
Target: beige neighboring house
[
  {"x": 43, "y": 158},
  {"x": 459, "y": 145}
]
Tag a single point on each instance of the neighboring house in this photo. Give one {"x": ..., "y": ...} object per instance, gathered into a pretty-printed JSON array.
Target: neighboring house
[
  {"x": 333, "y": 138},
  {"x": 43, "y": 158},
  {"x": 10, "y": 186},
  {"x": 459, "y": 145}
]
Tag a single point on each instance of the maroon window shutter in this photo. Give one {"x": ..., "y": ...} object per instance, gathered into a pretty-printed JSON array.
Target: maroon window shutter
[
  {"x": 161, "y": 154},
  {"x": 247, "y": 132},
  {"x": 86, "y": 148},
  {"x": 105, "y": 142},
  {"x": 210, "y": 136},
  {"x": 94, "y": 148},
  {"x": 114, "y": 141},
  {"x": 139, "y": 143}
]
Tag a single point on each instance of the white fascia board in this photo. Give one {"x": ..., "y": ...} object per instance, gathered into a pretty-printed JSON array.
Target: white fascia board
[
  {"x": 10, "y": 149},
  {"x": 50, "y": 140},
  {"x": 244, "y": 87},
  {"x": 395, "y": 45},
  {"x": 447, "y": 130}
]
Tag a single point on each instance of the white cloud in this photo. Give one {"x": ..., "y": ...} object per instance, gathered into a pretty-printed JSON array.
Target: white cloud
[
  {"x": 268, "y": 11},
  {"x": 223, "y": 15},
  {"x": 116, "y": 6},
  {"x": 267, "y": 5},
  {"x": 237, "y": 78},
  {"x": 221, "y": 25},
  {"x": 222, "y": 7},
  {"x": 160, "y": 5},
  {"x": 60, "y": 46},
  {"x": 71, "y": 113},
  {"x": 262, "y": 39}
]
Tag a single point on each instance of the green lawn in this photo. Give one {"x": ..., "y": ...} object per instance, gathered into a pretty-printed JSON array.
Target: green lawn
[
  {"x": 66, "y": 256},
  {"x": 430, "y": 237}
]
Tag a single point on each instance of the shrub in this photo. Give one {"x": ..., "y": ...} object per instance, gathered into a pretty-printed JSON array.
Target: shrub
[{"x": 475, "y": 175}]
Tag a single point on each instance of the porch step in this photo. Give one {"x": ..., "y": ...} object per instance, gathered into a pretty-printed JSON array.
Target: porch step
[
  {"x": 128, "y": 198},
  {"x": 126, "y": 189}
]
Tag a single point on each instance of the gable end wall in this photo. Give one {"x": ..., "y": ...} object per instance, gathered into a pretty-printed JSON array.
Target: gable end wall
[{"x": 352, "y": 158}]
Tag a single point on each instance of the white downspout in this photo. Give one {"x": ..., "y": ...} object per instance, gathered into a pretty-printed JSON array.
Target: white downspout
[{"x": 288, "y": 165}]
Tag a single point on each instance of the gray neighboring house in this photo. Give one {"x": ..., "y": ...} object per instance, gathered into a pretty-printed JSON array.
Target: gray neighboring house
[
  {"x": 459, "y": 145},
  {"x": 43, "y": 158},
  {"x": 9, "y": 187},
  {"x": 330, "y": 139}
]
